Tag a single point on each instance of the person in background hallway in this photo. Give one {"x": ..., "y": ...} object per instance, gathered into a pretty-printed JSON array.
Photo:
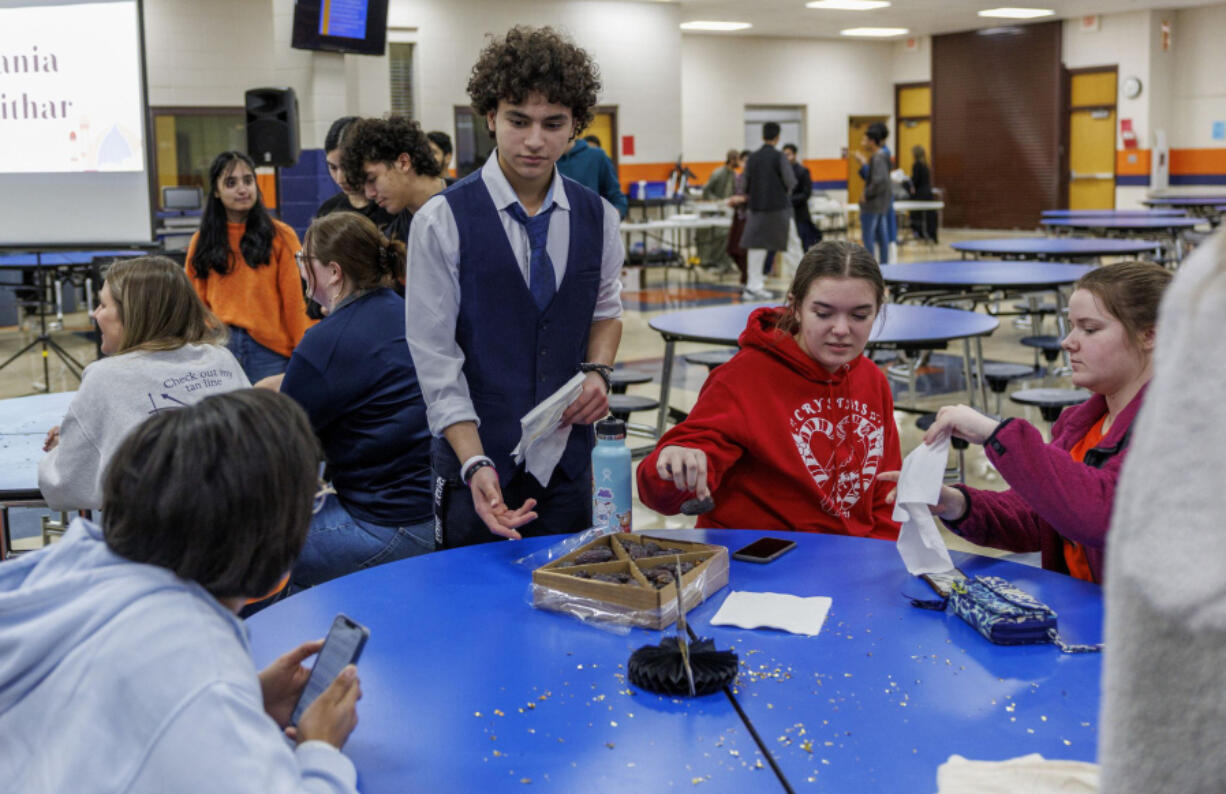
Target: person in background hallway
[
  {"x": 875, "y": 202},
  {"x": 440, "y": 147},
  {"x": 390, "y": 160},
  {"x": 769, "y": 180},
  {"x": 740, "y": 206},
  {"x": 809, "y": 234},
  {"x": 923, "y": 222},
  {"x": 1161, "y": 727},
  {"x": 587, "y": 164},
  {"x": 241, "y": 263},
  {"x": 713, "y": 243}
]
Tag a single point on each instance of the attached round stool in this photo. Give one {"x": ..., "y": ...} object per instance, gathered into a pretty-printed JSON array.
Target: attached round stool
[
  {"x": 1048, "y": 345},
  {"x": 1050, "y": 401},
  {"x": 621, "y": 379},
  {"x": 711, "y": 358},
  {"x": 998, "y": 374},
  {"x": 622, "y": 405},
  {"x": 958, "y": 472}
]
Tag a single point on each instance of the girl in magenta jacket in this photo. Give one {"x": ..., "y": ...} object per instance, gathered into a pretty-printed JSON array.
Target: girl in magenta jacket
[{"x": 1061, "y": 493}]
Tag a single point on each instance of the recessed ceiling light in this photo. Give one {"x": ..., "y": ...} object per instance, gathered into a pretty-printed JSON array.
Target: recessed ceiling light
[
  {"x": 875, "y": 32},
  {"x": 1016, "y": 13},
  {"x": 848, "y": 5},
  {"x": 706, "y": 24}
]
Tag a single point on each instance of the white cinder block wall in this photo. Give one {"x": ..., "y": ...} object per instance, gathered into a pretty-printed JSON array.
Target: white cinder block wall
[
  {"x": 1198, "y": 85},
  {"x": 637, "y": 46}
]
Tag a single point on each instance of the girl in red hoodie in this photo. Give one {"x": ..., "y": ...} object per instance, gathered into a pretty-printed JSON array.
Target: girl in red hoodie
[{"x": 790, "y": 434}]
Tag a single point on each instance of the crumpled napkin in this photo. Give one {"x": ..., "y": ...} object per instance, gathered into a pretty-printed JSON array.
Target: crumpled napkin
[
  {"x": 1029, "y": 774},
  {"x": 774, "y": 611},
  {"x": 919, "y": 485},
  {"x": 544, "y": 437}
]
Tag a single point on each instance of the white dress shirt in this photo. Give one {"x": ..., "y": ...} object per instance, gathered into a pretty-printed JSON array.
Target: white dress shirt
[{"x": 432, "y": 285}]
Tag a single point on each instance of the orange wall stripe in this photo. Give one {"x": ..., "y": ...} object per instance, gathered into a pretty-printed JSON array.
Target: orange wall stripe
[
  {"x": 1198, "y": 161},
  {"x": 1132, "y": 162}
]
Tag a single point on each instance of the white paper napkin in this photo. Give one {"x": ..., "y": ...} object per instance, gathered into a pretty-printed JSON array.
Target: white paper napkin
[
  {"x": 774, "y": 611},
  {"x": 544, "y": 437},
  {"x": 919, "y": 485},
  {"x": 1029, "y": 774}
]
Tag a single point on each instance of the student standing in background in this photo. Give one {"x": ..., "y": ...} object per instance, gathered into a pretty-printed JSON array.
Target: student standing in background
[
  {"x": 348, "y": 200},
  {"x": 713, "y": 243},
  {"x": 768, "y": 182},
  {"x": 390, "y": 161},
  {"x": 875, "y": 203},
  {"x": 241, "y": 263},
  {"x": 923, "y": 222},
  {"x": 513, "y": 288},
  {"x": 591, "y": 167}
]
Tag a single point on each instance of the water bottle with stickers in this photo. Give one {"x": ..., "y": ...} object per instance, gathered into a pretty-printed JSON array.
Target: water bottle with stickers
[{"x": 612, "y": 497}]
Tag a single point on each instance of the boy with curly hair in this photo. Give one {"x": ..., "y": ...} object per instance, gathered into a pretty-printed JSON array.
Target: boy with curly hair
[
  {"x": 512, "y": 289},
  {"x": 390, "y": 162}
]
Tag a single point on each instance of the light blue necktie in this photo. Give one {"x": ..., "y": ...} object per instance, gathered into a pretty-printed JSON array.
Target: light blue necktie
[{"x": 542, "y": 281}]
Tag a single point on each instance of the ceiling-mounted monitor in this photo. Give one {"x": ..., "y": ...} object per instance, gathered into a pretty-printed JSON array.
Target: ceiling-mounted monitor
[{"x": 355, "y": 26}]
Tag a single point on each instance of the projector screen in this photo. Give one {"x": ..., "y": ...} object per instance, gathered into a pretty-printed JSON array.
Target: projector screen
[{"x": 73, "y": 154}]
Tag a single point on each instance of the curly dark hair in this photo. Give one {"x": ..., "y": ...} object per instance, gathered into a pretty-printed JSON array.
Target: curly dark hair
[
  {"x": 382, "y": 141},
  {"x": 535, "y": 60}
]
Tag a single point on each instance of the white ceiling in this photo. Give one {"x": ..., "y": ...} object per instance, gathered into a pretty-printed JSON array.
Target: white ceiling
[{"x": 923, "y": 17}]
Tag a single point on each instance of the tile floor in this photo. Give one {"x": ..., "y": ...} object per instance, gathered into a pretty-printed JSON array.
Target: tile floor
[{"x": 642, "y": 349}]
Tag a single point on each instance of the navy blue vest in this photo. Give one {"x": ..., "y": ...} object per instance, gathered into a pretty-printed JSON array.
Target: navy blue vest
[{"x": 516, "y": 355}]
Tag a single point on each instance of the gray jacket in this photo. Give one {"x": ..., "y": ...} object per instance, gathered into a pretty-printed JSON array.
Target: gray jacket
[{"x": 876, "y": 198}]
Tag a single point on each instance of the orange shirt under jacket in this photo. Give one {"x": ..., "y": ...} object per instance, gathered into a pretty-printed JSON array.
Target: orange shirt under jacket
[{"x": 265, "y": 301}]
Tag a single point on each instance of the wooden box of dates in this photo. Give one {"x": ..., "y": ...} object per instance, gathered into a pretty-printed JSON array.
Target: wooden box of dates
[{"x": 631, "y": 578}]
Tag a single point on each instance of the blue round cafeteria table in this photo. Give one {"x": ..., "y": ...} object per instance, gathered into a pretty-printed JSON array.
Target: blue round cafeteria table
[
  {"x": 1192, "y": 202},
  {"x": 985, "y": 273},
  {"x": 1056, "y": 247},
  {"x": 897, "y": 324},
  {"x": 1113, "y": 213},
  {"x": 1134, "y": 224},
  {"x": 467, "y": 688}
]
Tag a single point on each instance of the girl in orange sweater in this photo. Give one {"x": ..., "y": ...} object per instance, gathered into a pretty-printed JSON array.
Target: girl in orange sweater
[{"x": 241, "y": 263}]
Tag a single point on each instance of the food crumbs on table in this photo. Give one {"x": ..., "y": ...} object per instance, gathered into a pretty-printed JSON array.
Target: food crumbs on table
[
  {"x": 758, "y": 764},
  {"x": 807, "y": 745},
  {"x": 525, "y": 780},
  {"x": 609, "y": 745},
  {"x": 476, "y": 714},
  {"x": 1043, "y": 717},
  {"x": 499, "y": 713},
  {"x": 497, "y": 754},
  {"x": 613, "y": 723},
  {"x": 1066, "y": 742}
]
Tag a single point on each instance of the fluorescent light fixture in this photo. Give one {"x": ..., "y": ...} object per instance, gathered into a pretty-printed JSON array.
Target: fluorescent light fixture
[
  {"x": 877, "y": 33},
  {"x": 848, "y": 5},
  {"x": 1016, "y": 13},
  {"x": 707, "y": 24}
]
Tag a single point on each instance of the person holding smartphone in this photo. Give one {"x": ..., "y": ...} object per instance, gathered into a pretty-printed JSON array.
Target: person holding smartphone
[{"x": 125, "y": 667}]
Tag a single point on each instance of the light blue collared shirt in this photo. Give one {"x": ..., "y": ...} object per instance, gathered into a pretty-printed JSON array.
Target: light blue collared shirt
[{"x": 432, "y": 288}]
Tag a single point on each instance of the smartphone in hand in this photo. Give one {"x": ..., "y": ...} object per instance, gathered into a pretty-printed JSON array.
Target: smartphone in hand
[{"x": 343, "y": 646}]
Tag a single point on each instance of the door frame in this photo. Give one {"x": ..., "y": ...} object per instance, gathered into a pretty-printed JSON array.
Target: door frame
[
  {"x": 615, "y": 143},
  {"x": 900, "y": 120},
  {"x": 860, "y": 118},
  {"x": 1066, "y": 134}
]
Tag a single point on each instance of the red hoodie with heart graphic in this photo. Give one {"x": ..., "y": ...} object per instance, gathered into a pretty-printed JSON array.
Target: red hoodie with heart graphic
[{"x": 789, "y": 445}]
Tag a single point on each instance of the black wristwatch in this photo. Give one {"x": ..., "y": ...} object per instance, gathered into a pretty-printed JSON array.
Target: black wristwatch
[{"x": 603, "y": 370}]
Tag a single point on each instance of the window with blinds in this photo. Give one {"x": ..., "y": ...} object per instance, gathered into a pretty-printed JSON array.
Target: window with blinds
[{"x": 400, "y": 60}]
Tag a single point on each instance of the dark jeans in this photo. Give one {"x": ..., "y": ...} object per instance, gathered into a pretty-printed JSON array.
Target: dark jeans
[
  {"x": 564, "y": 506},
  {"x": 256, "y": 360}
]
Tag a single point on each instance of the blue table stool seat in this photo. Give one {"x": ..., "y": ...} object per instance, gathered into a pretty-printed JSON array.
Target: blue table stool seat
[
  {"x": 1049, "y": 346},
  {"x": 1050, "y": 401},
  {"x": 998, "y": 374},
  {"x": 711, "y": 358},
  {"x": 622, "y": 379}
]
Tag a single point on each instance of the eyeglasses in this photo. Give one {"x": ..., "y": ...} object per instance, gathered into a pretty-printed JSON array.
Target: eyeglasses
[
  {"x": 300, "y": 258},
  {"x": 323, "y": 490}
]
